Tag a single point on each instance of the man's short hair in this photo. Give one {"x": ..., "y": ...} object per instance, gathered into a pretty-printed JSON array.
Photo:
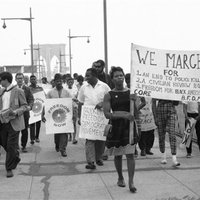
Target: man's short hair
[
  {"x": 6, "y": 76},
  {"x": 102, "y": 63},
  {"x": 70, "y": 78},
  {"x": 32, "y": 76},
  {"x": 93, "y": 71},
  {"x": 19, "y": 74},
  {"x": 44, "y": 78},
  {"x": 58, "y": 76}
]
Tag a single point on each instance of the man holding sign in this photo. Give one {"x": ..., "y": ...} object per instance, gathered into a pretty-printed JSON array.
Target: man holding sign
[
  {"x": 60, "y": 139},
  {"x": 92, "y": 93},
  {"x": 37, "y": 107}
]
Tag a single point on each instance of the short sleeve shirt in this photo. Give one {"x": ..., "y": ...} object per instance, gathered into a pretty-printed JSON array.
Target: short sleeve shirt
[
  {"x": 54, "y": 94},
  {"x": 89, "y": 95}
]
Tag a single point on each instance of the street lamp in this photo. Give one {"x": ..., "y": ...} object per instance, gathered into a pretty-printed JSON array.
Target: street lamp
[
  {"x": 31, "y": 32},
  {"x": 71, "y": 37},
  {"x": 105, "y": 35}
]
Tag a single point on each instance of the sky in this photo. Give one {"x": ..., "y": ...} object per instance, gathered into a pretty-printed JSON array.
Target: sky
[{"x": 162, "y": 24}]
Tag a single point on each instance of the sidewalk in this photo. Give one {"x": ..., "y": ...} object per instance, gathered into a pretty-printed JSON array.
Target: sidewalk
[{"x": 44, "y": 174}]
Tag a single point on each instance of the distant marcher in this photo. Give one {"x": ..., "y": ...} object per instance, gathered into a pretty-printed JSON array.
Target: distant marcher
[
  {"x": 147, "y": 128},
  {"x": 52, "y": 83},
  {"x": 26, "y": 80},
  {"x": 73, "y": 91},
  {"x": 12, "y": 100},
  {"x": 99, "y": 65},
  {"x": 19, "y": 77},
  {"x": 92, "y": 93},
  {"x": 60, "y": 139},
  {"x": 192, "y": 110},
  {"x": 116, "y": 108},
  {"x": 75, "y": 76},
  {"x": 165, "y": 118},
  {"x": 80, "y": 81},
  {"x": 35, "y": 127},
  {"x": 44, "y": 80}
]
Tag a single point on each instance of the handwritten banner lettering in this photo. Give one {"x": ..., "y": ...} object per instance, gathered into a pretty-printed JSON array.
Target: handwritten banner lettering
[
  {"x": 93, "y": 123},
  {"x": 165, "y": 74}
]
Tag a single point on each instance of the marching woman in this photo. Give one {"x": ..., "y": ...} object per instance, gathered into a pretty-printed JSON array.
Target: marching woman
[{"x": 117, "y": 109}]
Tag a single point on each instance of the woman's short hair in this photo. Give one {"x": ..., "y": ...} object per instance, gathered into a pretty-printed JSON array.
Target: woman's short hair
[{"x": 115, "y": 69}]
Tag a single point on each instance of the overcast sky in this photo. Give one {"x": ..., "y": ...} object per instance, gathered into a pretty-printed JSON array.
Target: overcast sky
[{"x": 165, "y": 24}]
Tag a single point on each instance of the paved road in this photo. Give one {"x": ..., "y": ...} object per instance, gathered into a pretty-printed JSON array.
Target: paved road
[{"x": 44, "y": 174}]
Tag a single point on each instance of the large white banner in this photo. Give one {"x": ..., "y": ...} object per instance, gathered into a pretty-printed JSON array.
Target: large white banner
[
  {"x": 58, "y": 114},
  {"x": 93, "y": 123},
  {"x": 165, "y": 74},
  {"x": 36, "y": 112}
]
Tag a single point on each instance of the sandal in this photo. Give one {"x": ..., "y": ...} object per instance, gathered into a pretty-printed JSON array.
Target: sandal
[
  {"x": 121, "y": 183},
  {"x": 133, "y": 189}
]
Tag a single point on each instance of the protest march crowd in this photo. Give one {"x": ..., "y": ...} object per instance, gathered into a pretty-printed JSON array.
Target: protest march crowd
[{"x": 128, "y": 120}]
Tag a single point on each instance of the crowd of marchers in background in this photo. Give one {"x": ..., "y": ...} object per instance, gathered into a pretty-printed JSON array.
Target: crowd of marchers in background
[{"x": 109, "y": 93}]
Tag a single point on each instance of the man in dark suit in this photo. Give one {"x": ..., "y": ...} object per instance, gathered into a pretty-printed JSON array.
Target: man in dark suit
[
  {"x": 12, "y": 106},
  {"x": 19, "y": 77}
]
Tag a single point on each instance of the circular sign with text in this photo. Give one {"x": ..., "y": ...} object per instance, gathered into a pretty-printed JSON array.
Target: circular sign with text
[
  {"x": 59, "y": 115},
  {"x": 37, "y": 107}
]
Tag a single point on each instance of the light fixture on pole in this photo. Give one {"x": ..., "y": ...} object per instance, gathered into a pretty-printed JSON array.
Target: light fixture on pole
[
  {"x": 70, "y": 55},
  {"x": 31, "y": 33}
]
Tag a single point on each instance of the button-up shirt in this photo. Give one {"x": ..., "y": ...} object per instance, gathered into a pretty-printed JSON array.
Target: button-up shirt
[
  {"x": 6, "y": 98},
  {"x": 93, "y": 95}
]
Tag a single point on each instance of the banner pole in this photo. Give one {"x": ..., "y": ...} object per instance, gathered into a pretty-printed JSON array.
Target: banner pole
[{"x": 131, "y": 127}]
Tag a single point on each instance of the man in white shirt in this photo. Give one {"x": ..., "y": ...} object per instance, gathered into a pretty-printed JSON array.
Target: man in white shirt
[
  {"x": 60, "y": 139},
  {"x": 92, "y": 93}
]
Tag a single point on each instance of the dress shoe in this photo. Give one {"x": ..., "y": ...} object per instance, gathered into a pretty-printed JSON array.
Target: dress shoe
[
  {"x": 99, "y": 162},
  {"x": 32, "y": 142},
  {"x": 90, "y": 166},
  {"x": 105, "y": 157},
  {"x": 37, "y": 140},
  {"x": 24, "y": 150},
  {"x": 176, "y": 164},
  {"x": 63, "y": 154},
  {"x": 9, "y": 174},
  {"x": 149, "y": 152},
  {"x": 75, "y": 142},
  {"x": 164, "y": 161},
  {"x": 17, "y": 160},
  {"x": 121, "y": 183},
  {"x": 143, "y": 153},
  {"x": 189, "y": 155}
]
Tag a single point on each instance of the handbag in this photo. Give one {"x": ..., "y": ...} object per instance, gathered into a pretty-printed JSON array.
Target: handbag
[{"x": 107, "y": 129}]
